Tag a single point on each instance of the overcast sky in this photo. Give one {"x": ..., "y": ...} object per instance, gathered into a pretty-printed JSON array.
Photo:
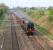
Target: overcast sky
[{"x": 28, "y": 3}]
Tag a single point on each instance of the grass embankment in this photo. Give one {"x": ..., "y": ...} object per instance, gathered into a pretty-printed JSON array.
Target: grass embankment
[
  {"x": 44, "y": 31},
  {"x": 1, "y": 27},
  {"x": 1, "y": 22}
]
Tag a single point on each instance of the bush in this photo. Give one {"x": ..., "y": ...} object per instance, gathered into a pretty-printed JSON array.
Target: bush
[
  {"x": 50, "y": 20},
  {"x": 3, "y": 9}
]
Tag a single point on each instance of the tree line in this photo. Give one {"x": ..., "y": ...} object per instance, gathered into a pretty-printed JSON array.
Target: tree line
[{"x": 3, "y": 9}]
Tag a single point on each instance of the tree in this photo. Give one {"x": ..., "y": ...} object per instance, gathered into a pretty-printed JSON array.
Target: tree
[
  {"x": 3, "y": 9},
  {"x": 33, "y": 8},
  {"x": 50, "y": 16},
  {"x": 50, "y": 9}
]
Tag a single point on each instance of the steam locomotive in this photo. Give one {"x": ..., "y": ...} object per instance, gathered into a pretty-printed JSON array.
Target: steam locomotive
[{"x": 26, "y": 24}]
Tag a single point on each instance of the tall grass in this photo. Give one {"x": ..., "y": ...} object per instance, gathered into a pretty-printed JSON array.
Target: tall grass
[
  {"x": 1, "y": 20},
  {"x": 50, "y": 20},
  {"x": 44, "y": 31}
]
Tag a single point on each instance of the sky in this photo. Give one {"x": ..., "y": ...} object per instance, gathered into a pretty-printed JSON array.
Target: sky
[{"x": 27, "y": 3}]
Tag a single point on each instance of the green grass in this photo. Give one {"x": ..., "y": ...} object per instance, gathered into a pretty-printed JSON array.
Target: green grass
[
  {"x": 44, "y": 31},
  {"x": 1, "y": 27},
  {"x": 1, "y": 20}
]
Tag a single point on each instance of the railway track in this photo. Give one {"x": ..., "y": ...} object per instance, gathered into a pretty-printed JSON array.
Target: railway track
[
  {"x": 33, "y": 42},
  {"x": 15, "y": 37},
  {"x": 24, "y": 43},
  {"x": 15, "y": 45},
  {"x": 7, "y": 45},
  {"x": 10, "y": 39}
]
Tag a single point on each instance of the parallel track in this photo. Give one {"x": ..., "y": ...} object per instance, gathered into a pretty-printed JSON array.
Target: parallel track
[{"x": 15, "y": 45}]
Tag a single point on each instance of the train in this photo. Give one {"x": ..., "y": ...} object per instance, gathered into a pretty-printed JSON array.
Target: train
[{"x": 26, "y": 24}]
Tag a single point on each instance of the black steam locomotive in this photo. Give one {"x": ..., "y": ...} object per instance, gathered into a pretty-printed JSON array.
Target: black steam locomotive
[{"x": 28, "y": 26}]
